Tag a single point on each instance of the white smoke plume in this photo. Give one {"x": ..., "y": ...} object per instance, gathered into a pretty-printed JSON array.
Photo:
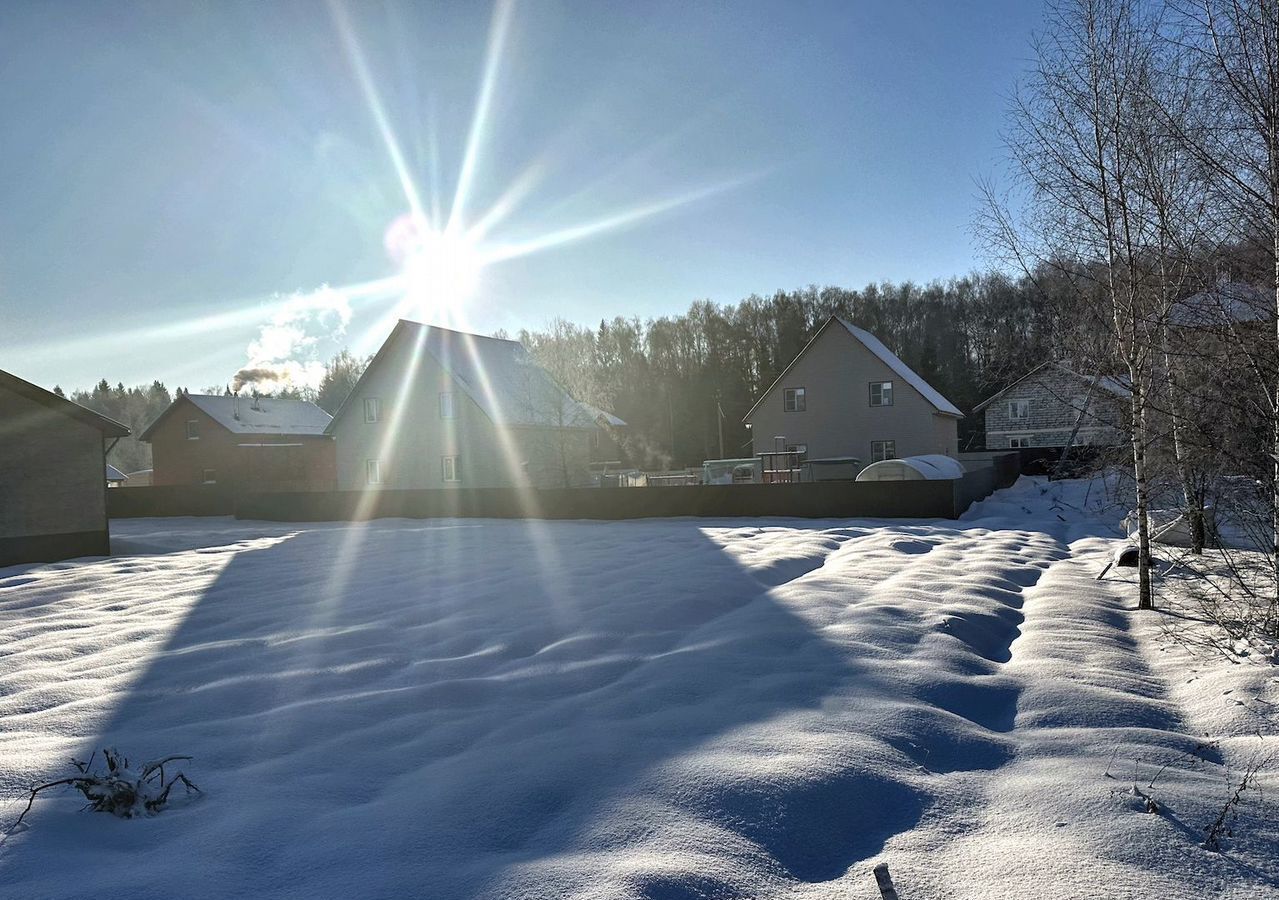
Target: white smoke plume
[{"x": 287, "y": 351}]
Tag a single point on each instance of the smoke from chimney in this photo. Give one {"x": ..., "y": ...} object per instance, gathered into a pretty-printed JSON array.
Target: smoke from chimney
[
  {"x": 291, "y": 345},
  {"x": 257, "y": 375}
]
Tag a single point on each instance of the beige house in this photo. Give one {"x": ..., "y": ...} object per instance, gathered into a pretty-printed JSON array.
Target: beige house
[
  {"x": 438, "y": 408},
  {"x": 848, "y": 396}
]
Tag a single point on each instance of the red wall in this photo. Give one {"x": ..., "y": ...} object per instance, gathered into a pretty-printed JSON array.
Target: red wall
[{"x": 176, "y": 460}]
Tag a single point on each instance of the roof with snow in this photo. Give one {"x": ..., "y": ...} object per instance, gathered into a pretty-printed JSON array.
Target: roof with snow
[
  {"x": 1225, "y": 303},
  {"x": 1116, "y": 385},
  {"x": 886, "y": 356},
  {"x": 498, "y": 374},
  {"x": 603, "y": 416},
  {"x": 114, "y": 474},
  {"x": 252, "y": 415}
]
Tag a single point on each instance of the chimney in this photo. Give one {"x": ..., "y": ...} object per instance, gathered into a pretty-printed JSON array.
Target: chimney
[{"x": 235, "y": 406}]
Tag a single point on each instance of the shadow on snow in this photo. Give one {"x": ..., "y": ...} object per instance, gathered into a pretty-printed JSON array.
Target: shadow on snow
[{"x": 439, "y": 704}]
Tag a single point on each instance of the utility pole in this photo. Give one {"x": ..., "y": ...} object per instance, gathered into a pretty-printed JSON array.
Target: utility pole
[{"x": 719, "y": 420}]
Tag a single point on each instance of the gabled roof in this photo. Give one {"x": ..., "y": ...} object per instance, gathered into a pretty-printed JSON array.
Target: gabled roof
[
  {"x": 1108, "y": 383},
  {"x": 114, "y": 474},
  {"x": 1225, "y": 303},
  {"x": 887, "y": 357},
  {"x": 108, "y": 427},
  {"x": 249, "y": 415},
  {"x": 499, "y": 375}
]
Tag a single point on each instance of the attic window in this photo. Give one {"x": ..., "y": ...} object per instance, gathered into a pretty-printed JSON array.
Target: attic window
[
  {"x": 794, "y": 400},
  {"x": 1018, "y": 410},
  {"x": 881, "y": 393},
  {"x": 446, "y": 405},
  {"x": 372, "y": 410},
  {"x": 193, "y": 429}
]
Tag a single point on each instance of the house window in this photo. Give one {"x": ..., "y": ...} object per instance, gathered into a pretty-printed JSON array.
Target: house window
[
  {"x": 373, "y": 471},
  {"x": 1018, "y": 410},
  {"x": 793, "y": 400},
  {"x": 446, "y": 405},
  {"x": 452, "y": 468},
  {"x": 209, "y": 476},
  {"x": 801, "y": 449},
  {"x": 372, "y": 410},
  {"x": 882, "y": 450},
  {"x": 881, "y": 393},
  {"x": 1019, "y": 442},
  {"x": 193, "y": 429}
]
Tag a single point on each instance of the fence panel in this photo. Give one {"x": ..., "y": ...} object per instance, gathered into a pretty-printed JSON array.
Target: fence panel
[
  {"x": 170, "y": 500},
  {"x": 822, "y": 500}
]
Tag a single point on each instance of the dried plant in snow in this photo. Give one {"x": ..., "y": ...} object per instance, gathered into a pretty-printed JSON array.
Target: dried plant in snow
[{"x": 119, "y": 789}]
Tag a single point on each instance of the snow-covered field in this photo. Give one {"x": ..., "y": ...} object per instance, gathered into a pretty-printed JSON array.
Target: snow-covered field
[{"x": 662, "y": 709}]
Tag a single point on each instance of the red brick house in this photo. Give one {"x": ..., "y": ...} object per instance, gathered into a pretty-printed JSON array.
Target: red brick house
[{"x": 243, "y": 443}]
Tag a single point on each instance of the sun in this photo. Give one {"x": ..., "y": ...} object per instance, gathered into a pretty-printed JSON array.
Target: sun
[{"x": 440, "y": 270}]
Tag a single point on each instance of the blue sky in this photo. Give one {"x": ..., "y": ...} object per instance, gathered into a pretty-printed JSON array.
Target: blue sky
[{"x": 170, "y": 168}]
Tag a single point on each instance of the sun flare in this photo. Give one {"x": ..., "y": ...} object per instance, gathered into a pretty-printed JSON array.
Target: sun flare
[{"x": 440, "y": 269}]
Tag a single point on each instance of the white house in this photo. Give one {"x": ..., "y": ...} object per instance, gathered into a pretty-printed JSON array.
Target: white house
[{"x": 438, "y": 408}]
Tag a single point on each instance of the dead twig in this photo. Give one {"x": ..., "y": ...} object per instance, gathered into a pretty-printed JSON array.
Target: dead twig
[{"x": 118, "y": 790}]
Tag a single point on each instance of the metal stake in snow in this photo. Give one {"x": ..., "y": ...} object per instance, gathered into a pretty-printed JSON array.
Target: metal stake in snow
[{"x": 885, "y": 882}]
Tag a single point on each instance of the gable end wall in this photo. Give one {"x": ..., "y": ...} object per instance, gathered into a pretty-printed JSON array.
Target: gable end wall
[
  {"x": 836, "y": 371},
  {"x": 1053, "y": 412}
]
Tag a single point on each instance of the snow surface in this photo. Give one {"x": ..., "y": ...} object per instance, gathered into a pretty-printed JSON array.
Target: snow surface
[{"x": 661, "y": 709}]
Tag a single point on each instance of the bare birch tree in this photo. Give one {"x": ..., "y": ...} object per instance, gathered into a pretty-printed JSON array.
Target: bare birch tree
[
  {"x": 1078, "y": 129},
  {"x": 1233, "y": 46}
]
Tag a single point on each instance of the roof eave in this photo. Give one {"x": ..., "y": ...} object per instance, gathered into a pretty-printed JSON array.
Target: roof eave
[
  {"x": 108, "y": 426},
  {"x": 786, "y": 371},
  {"x": 999, "y": 393}
]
